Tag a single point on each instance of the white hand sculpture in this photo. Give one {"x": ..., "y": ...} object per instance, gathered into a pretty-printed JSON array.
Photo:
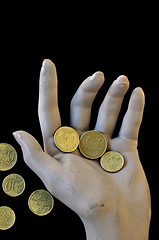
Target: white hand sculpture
[{"x": 113, "y": 206}]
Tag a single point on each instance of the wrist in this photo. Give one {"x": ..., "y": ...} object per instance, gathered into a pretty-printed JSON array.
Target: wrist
[
  {"x": 112, "y": 229},
  {"x": 95, "y": 230}
]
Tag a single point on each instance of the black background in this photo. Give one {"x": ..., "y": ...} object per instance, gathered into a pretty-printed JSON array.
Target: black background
[{"x": 79, "y": 43}]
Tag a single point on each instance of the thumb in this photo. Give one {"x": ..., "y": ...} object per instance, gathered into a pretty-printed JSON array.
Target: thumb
[{"x": 39, "y": 161}]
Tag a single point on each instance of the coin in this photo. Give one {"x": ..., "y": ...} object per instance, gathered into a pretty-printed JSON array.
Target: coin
[
  {"x": 92, "y": 144},
  {"x": 8, "y": 156},
  {"x": 112, "y": 161},
  {"x": 41, "y": 202},
  {"x": 7, "y": 218},
  {"x": 66, "y": 139},
  {"x": 13, "y": 185}
]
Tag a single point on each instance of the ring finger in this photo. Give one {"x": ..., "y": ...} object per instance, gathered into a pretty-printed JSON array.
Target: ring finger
[{"x": 110, "y": 107}]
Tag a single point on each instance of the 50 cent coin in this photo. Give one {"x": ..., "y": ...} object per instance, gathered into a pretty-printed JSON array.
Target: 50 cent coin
[
  {"x": 92, "y": 144},
  {"x": 8, "y": 156}
]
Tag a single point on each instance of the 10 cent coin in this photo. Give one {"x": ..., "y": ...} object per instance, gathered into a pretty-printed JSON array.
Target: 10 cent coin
[
  {"x": 13, "y": 185},
  {"x": 92, "y": 144},
  {"x": 7, "y": 218},
  {"x": 112, "y": 161}
]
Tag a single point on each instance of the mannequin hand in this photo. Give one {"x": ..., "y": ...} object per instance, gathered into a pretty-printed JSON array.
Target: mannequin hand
[{"x": 111, "y": 205}]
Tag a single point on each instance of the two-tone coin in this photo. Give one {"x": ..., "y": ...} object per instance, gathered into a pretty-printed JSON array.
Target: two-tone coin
[
  {"x": 8, "y": 156},
  {"x": 66, "y": 139},
  {"x": 41, "y": 202},
  {"x": 92, "y": 144},
  {"x": 13, "y": 185},
  {"x": 7, "y": 217},
  {"x": 112, "y": 161}
]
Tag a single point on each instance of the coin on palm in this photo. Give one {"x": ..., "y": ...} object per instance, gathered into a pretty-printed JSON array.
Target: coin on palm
[{"x": 92, "y": 144}]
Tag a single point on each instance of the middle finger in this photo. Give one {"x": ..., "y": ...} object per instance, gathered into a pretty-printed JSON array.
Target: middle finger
[{"x": 81, "y": 103}]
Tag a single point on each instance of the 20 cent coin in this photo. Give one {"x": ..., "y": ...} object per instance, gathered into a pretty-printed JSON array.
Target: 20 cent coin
[
  {"x": 92, "y": 144},
  {"x": 41, "y": 202},
  {"x": 112, "y": 161},
  {"x": 7, "y": 218},
  {"x": 8, "y": 156},
  {"x": 66, "y": 139}
]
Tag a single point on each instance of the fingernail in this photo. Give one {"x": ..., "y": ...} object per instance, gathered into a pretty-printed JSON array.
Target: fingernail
[
  {"x": 47, "y": 63},
  {"x": 122, "y": 80},
  {"x": 98, "y": 74},
  {"x": 18, "y": 137}
]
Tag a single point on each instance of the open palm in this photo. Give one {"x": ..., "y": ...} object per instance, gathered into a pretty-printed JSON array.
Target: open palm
[{"x": 120, "y": 201}]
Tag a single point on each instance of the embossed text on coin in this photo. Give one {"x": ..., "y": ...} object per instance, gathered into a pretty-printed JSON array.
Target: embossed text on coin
[
  {"x": 41, "y": 202},
  {"x": 13, "y": 185},
  {"x": 7, "y": 218},
  {"x": 8, "y": 156},
  {"x": 92, "y": 144},
  {"x": 66, "y": 139},
  {"x": 112, "y": 161}
]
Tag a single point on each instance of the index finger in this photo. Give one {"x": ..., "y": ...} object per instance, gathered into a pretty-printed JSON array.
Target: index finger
[{"x": 48, "y": 110}]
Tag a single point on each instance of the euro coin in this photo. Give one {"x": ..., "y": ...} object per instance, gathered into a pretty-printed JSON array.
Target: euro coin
[
  {"x": 66, "y": 139},
  {"x": 112, "y": 161},
  {"x": 92, "y": 144},
  {"x": 13, "y": 185},
  {"x": 41, "y": 202},
  {"x": 8, "y": 156},
  {"x": 7, "y": 218}
]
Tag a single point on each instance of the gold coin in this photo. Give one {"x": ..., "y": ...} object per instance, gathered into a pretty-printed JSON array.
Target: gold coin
[
  {"x": 13, "y": 185},
  {"x": 41, "y": 202},
  {"x": 112, "y": 161},
  {"x": 8, "y": 156},
  {"x": 66, "y": 139},
  {"x": 7, "y": 218},
  {"x": 92, "y": 144}
]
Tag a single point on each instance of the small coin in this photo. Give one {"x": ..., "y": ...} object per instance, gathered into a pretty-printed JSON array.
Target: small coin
[
  {"x": 7, "y": 218},
  {"x": 112, "y": 161},
  {"x": 41, "y": 202},
  {"x": 8, "y": 156},
  {"x": 13, "y": 185},
  {"x": 66, "y": 139},
  {"x": 92, "y": 144}
]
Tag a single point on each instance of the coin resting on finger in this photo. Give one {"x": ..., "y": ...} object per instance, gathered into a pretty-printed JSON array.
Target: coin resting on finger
[
  {"x": 112, "y": 161},
  {"x": 41, "y": 202},
  {"x": 92, "y": 144},
  {"x": 13, "y": 185},
  {"x": 8, "y": 156},
  {"x": 7, "y": 217},
  {"x": 66, "y": 139}
]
